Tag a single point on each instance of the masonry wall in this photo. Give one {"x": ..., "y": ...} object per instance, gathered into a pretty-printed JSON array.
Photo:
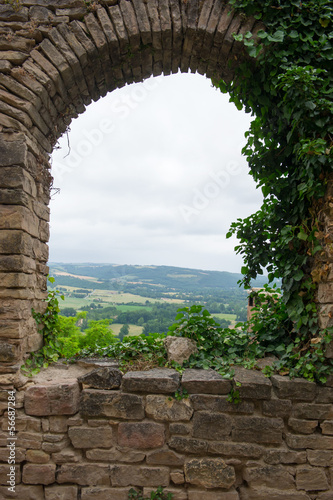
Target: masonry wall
[{"x": 95, "y": 437}]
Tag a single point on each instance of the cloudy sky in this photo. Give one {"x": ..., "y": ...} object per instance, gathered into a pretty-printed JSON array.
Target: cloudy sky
[{"x": 153, "y": 175}]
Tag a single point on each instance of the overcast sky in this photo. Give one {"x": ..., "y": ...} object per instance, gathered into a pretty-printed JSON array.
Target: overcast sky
[{"x": 153, "y": 176}]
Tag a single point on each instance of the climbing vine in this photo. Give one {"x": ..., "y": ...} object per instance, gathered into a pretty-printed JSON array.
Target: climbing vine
[{"x": 286, "y": 84}]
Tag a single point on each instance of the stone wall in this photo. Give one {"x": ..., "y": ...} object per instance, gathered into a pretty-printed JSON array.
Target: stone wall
[{"x": 95, "y": 436}]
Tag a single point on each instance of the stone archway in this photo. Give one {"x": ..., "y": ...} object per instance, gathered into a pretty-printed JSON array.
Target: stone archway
[{"x": 56, "y": 57}]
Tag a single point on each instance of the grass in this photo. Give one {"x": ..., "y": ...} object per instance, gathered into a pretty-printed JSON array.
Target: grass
[
  {"x": 227, "y": 317},
  {"x": 129, "y": 308},
  {"x": 133, "y": 329}
]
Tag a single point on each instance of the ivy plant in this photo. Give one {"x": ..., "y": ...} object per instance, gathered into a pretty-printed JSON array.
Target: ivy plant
[{"x": 286, "y": 84}]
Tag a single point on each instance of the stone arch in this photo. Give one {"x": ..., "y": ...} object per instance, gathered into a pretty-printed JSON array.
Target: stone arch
[{"x": 57, "y": 56}]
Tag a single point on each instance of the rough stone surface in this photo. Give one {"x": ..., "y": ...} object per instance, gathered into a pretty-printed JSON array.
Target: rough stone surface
[
  {"x": 126, "y": 475},
  {"x": 205, "y": 382},
  {"x": 179, "y": 349},
  {"x": 102, "y": 378},
  {"x": 95, "y": 403},
  {"x": 296, "y": 389},
  {"x": 209, "y": 473},
  {"x": 85, "y": 437},
  {"x": 84, "y": 474},
  {"x": 151, "y": 381},
  {"x": 141, "y": 435},
  {"x": 253, "y": 384},
  {"x": 53, "y": 399},
  {"x": 168, "y": 409},
  {"x": 57, "y": 492},
  {"x": 38, "y": 473},
  {"x": 310, "y": 479}
]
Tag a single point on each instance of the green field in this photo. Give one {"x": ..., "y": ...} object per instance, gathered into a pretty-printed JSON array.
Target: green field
[
  {"x": 127, "y": 308},
  {"x": 227, "y": 317},
  {"x": 133, "y": 329}
]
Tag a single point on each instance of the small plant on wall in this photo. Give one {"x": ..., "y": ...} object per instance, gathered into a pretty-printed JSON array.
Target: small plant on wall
[{"x": 154, "y": 495}]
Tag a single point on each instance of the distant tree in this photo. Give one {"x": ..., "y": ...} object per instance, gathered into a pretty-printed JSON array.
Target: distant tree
[
  {"x": 124, "y": 330},
  {"x": 68, "y": 312}
]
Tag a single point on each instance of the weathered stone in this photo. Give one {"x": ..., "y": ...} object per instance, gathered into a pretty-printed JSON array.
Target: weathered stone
[
  {"x": 38, "y": 473},
  {"x": 309, "y": 479},
  {"x": 28, "y": 492},
  {"x": 258, "y": 430},
  {"x": 188, "y": 445},
  {"x": 58, "y": 424},
  {"x": 4, "y": 471},
  {"x": 96, "y": 403},
  {"x": 277, "y": 408},
  {"x": 209, "y": 425},
  {"x": 177, "y": 477},
  {"x": 102, "y": 378},
  {"x": 269, "y": 476},
  {"x": 153, "y": 381},
  {"x": 164, "y": 457},
  {"x": 241, "y": 450},
  {"x": 67, "y": 455},
  {"x": 253, "y": 384},
  {"x": 13, "y": 153},
  {"x": 324, "y": 395},
  {"x": 37, "y": 456},
  {"x": 29, "y": 440},
  {"x": 296, "y": 389},
  {"x": 275, "y": 457},
  {"x": 179, "y": 349},
  {"x": 219, "y": 404},
  {"x": 312, "y": 442},
  {"x": 8, "y": 352},
  {"x": 84, "y": 474},
  {"x": 209, "y": 473},
  {"x": 167, "y": 408},
  {"x": 53, "y": 399},
  {"x": 177, "y": 494},
  {"x": 327, "y": 427},
  {"x": 271, "y": 494},
  {"x": 85, "y": 437},
  {"x": 312, "y": 411},
  {"x": 212, "y": 495},
  {"x": 115, "y": 455},
  {"x": 320, "y": 458},
  {"x": 141, "y": 435},
  {"x": 128, "y": 475},
  {"x": 54, "y": 447},
  {"x": 205, "y": 382},
  {"x": 179, "y": 429},
  {"x": 58, "y": 492},
  {"x": 303, "y": 426},
  {"x": 99, "y": 493}
]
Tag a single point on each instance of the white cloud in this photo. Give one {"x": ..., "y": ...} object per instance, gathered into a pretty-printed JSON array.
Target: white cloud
[{"x": 154, "y": 176}]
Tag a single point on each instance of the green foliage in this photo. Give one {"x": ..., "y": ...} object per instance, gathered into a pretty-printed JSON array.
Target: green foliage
[
  {"x": 47, "y": 323},
  {"x": 97, "y": 335},
  {"x": 154, "y": 495},
  {"x": 287, "y": 86},
  {"x": 195, "y": 323},
  {"x": 234, "y": 397},
  {"x": 181, "y": 394}
]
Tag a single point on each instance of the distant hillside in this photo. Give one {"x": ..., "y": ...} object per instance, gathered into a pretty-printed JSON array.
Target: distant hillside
[{"x": 97, "y": 276}]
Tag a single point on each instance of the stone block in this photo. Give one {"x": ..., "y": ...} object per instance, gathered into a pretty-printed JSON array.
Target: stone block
[
  {"x": 5, "y": 470},
  {"x": 67, "y": 455},
  {"x": 23, "y": 491},
  {"x": 115, "y": 455},
  {"x": 179, "y": 349},
  {"x": 320, "y": 458},
  {"x": 220, "y": 404},
  {"x": 58, "y": 424},
  {"x": 254, "y": 384},
  {"x": 97, "y": 403},
  {"x": 39, "y": 473},
  {"x": 180, "y": 429},
  {"x": 205, "y": 382},
  {"x": 207, "y": 425},
  {"x": 327, "y": 427},
  {"x": 13, "y": 152},
  {"x": 99, "y": 493},
  {"x": 102, "y": 378},
  {"x": 86, "y": 437},
  {"x": 84, "y": 474},
  {"x": 57, "y": 492},
  {"x": 258, "y": 430},
  {"x": 275, "y": 457},
  {"x": 164, "y": 457},
  {"x": 277, "y": 408},
  {"x": 209, "y": 473},
  {"x": 325, "y": 395},
  {"x": 311, "y": 478},
  {"x": 168, "y": 408},
  {"x": 188, "y": 445},
  {"x": 37, "y": 456},
  {"x": 141, "y": 435},
  {"x": 8, "y": 352},
  {"x": 128, "y": 475},
  {"x": 303, "y": 426},
  {"x": 297, "y": 389},
  {"x": 262, "y": 493},
  {"x": 270, "y": 476},
  {"x": 55, "y": 446},
  {"x": 237, "y": 450},
  {"x": 313, "y": 411},
  {"x": 159, "y": 381},
  {"x": 29, "y": 440},
  {"x": 212, "y": 495},
  {"x": 177, "y": 493},
  {"x": 312, "y": 442},
  {"x": 53, "y": 399}
]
